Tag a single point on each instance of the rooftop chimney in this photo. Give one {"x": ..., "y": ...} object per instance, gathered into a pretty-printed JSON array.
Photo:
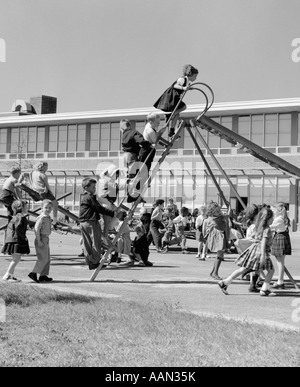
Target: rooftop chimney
[{"x": 44, "y": 104}]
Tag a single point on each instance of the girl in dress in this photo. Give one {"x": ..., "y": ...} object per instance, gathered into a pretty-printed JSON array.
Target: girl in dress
[
  {"x": 16, "y": 242},
  {"x": 257, "y": 256},
  {"x": 168, "y": 101},
  {"x": 216, "y": 231},
  {"x": 199, "y": 232},
  {"x": 281, "y": 245}
]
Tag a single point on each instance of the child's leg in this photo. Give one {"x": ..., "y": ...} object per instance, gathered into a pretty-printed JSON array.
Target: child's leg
[
  {"x": 204, "y": 251},
  {"x": 253, "y": 280},
  {"x": 46, "y": 268},
  {"x": 120, "y": 247},
  {"x": 269, "y": 276},
  {"x": 173, "y": 122},
  {"x": 183, "y": 241},
  {"x": 156, "y": 236},
  {"x": 42, "y": 255},
  {"x": 280, "y": 264},
  {"x": 15, "y": 259},
  {"x": 227, "y": 281},
  {"x": 200, "y": 244},
  {"x": 217, "y": 263}
]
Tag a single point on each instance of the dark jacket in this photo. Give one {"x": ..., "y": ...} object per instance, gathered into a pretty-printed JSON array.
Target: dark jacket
[
  {"x": 90, "y": 208},
  {"x": 16, "y": 230},
  {"x": 133, "y": 141}
]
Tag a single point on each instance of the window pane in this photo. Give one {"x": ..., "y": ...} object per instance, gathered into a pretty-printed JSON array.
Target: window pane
[
  {"x": 283, "y": 190},
  {"x": 14, "y": 140},
  {"x": 227, "y": 122},
  {"x": 40, "y": 146},
  {"x": 243, "y": 126},
  {"x": 242, "y": 186},
  {"x": 115, "y": 136},
  {"x": 211, "y": 190},
  {"x": 188, "y": 143},
  {"x": 270, "y": 130},
  {"x": 78, "y": 189},
  {"x": 71, "y": 144},
  {"x": 32, "y": 139},
  {"x": 269, "y": 190},
  {"x": 285, "y": 129},
  {"x": 3, "y": 140},
  {"x": 69, "y": 187},
  {"x": 204, "y": 135},
  {"x": 104, "y": 136},
  {"x": 213, "y": 140},
  {"x": 255, "y": 190},
  {"x": 81, "y": 136},
  {"x": 62, "y": 138},
  {"x": 53, "y": 134},
  {"x": 257, "y": 129},
  {"x": 95, "y": 136},
  {"x": 298, "y": 128},
  {"x": 23, "y": 140}
]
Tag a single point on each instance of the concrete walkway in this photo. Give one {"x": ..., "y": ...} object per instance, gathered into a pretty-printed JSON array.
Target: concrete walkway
[{"x": 176, "y": 279}]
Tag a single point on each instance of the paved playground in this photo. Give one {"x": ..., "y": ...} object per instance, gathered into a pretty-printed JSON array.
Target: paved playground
[{"x": 177, "y": 279}]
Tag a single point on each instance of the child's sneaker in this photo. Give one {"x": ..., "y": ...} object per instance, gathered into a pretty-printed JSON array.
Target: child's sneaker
[
  {"x": 185, "y": 251},
  {"x": 33, "y": 276},
  {"x": 148, "y": 263},
  {"x": 129, "y": 263},
  {"x": 44, "y": 278},
  {"x": 141, "y": 263},
  {"x": 198, "y": 256},
  {"x": 223, "y": 287},
  {"x": 10, "y": 278},
  {"x": 267, "y": 293},
  {"x": 162, "y": 250},
  {"x": 171, "y": 132}
]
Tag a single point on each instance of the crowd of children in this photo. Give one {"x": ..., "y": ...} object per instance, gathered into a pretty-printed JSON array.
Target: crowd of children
[
  {"x": 266, "y": 229},
  {"x": 266, "y": 233}
]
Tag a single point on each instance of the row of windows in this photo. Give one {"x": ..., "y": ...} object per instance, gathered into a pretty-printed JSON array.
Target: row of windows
[{"x": 267, "y": 130}]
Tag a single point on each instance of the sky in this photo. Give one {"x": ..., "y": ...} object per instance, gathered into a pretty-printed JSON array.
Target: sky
[{"x": 117, "y": 54}]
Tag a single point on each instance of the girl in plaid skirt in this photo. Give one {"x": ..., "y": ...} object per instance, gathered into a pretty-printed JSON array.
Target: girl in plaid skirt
[
  {"x": 281, "y": 245},
  {"x": 257, "y": 256}
]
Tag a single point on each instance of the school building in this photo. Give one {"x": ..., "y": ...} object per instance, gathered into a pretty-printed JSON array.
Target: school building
[{"x": 82, "y": 144}]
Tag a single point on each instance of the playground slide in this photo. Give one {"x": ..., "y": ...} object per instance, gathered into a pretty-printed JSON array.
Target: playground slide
[{"x": 247, "y": 146}]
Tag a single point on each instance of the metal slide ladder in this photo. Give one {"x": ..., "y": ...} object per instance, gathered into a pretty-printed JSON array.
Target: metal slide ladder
[{"x": 154, "y": 170}]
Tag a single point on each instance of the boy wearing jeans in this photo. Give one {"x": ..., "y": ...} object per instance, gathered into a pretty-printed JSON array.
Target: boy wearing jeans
[{"x": 89, "y": 216}]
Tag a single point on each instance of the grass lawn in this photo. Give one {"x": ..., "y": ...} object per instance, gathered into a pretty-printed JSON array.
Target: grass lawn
[{"x": 47, "y": 328}]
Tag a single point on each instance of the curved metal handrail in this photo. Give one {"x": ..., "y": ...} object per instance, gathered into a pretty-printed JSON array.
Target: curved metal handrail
[{"x": 209, "y": 105}]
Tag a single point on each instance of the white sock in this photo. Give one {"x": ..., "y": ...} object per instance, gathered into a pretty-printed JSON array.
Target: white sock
[
  {"x": 227, "y": 281},
  {"x": 265, "y": 286}
]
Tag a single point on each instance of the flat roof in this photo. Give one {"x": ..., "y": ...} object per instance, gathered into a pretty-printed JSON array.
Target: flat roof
[{"x": 219, "y": 108}]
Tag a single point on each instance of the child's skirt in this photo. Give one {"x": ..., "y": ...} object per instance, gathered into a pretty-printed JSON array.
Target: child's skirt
[
  {"x": 15, "y": 248},
  {"x": 216, "y": 240},
  {"x": 199, "y": 235},
  {"x": 250, "y": 258},
  {"x": 281, "y": 244}
]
